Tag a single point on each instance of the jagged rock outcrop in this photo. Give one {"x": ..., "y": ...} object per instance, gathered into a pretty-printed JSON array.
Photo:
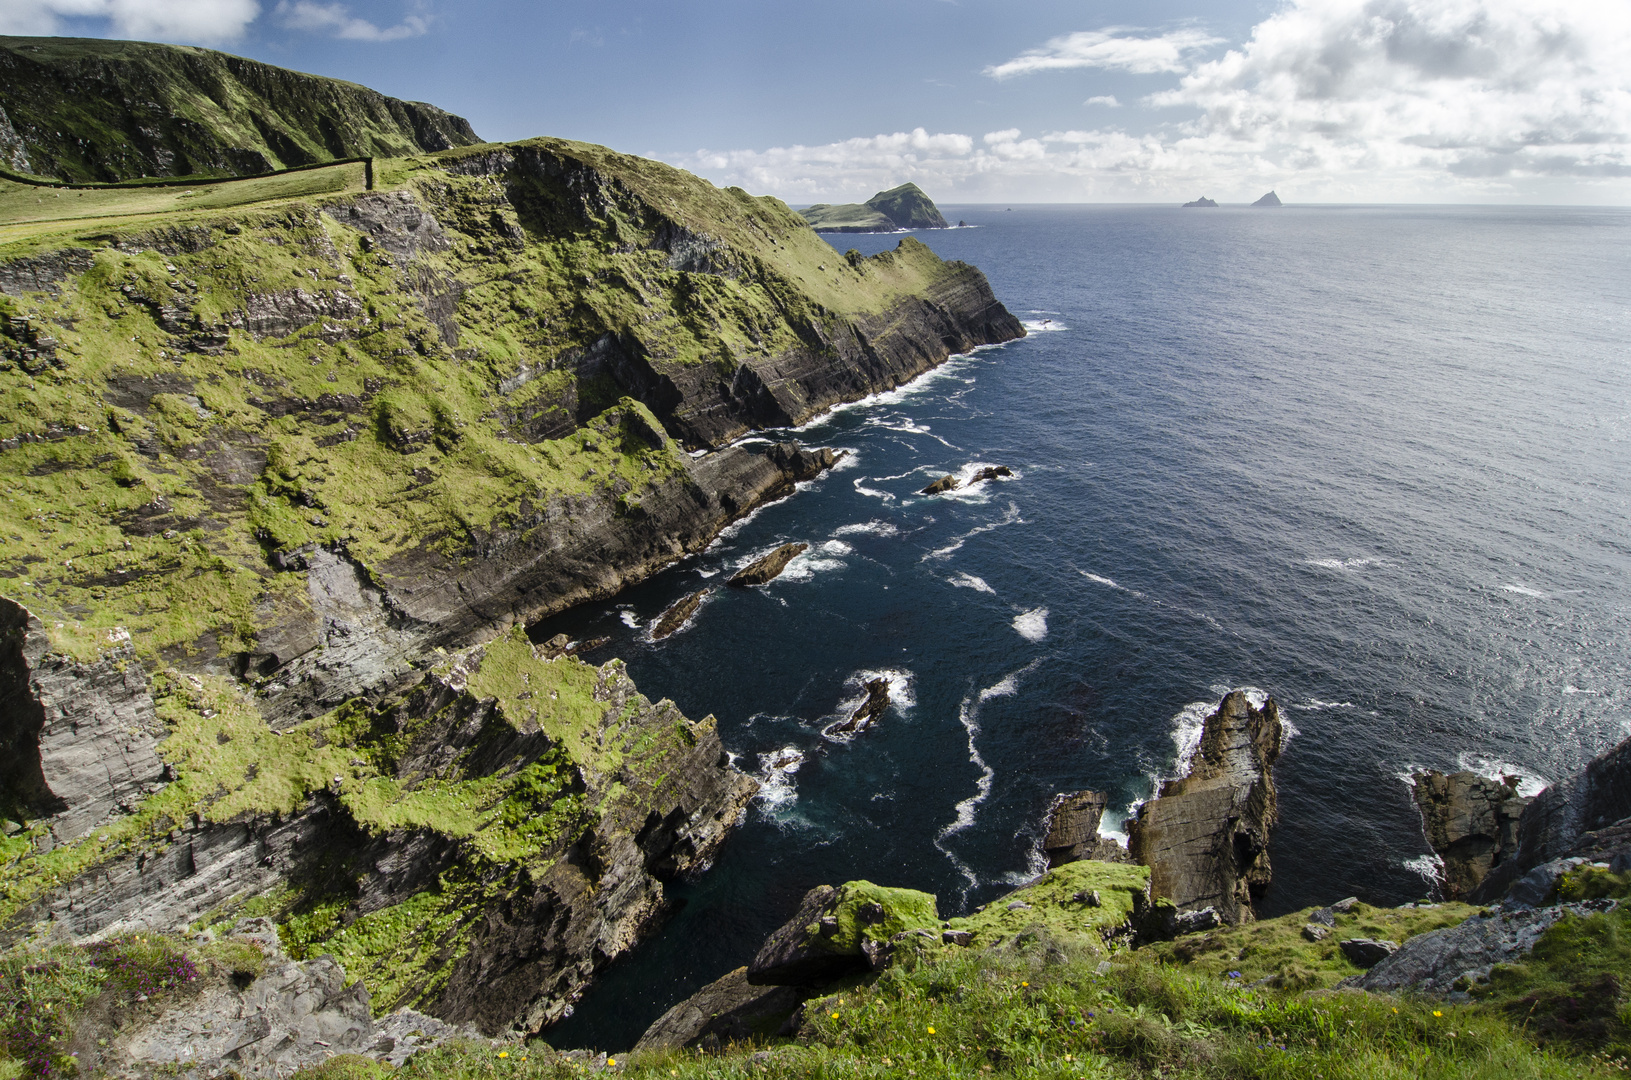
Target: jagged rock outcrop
[
  {"x": 677, "y": 613},
  {"x": 866, "y": 714},
  {"x": 764, "y": 570},
  {"x": 1559, "y": 819},
  {"x": 841, "y": 931},
  {"x": 729, "y": 1009},
  {"x": 516, "y": 908},
  {"x": 1205, "y": 838},
  {"x": 1472, "y": 823},
  {"x": 945, "y": 483}
]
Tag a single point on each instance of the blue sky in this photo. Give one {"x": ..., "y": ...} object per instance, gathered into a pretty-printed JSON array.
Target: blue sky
[{"x": 1322, "y": 100}]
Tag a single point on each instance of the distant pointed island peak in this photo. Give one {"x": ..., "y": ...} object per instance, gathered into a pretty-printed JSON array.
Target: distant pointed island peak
[
  {"x": 1271, "y": 199},
  {"x": 1202, "y": 201},
  {"x": 904, "y": 207}
]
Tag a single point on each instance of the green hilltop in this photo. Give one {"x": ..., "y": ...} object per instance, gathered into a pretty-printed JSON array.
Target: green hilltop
[
  {"x": 904, "y": 207},
  {"x": 85, "y": 109}
]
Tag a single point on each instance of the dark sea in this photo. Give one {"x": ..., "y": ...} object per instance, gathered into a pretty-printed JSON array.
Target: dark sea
[{"x": 1373, "y": 462}]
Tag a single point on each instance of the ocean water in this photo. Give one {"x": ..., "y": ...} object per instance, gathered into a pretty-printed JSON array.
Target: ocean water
[{"x": 1374, "y": 462}]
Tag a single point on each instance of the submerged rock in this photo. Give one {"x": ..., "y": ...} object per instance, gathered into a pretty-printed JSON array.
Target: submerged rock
[
  {"x": 768, "y": 568},
  {"x": 1472, "y": 823},
  {"x": 678, "y": 612},
  {"x": 1206, "y": 837}
]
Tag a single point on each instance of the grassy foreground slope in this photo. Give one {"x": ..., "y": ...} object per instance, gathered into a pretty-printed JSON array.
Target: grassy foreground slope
[{"x": 90, "y": 109}]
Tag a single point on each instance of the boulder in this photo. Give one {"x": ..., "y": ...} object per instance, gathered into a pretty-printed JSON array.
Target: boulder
[
  {"x": 1073, "y": 827},
  {"x": 768, "y": 568},
  {"x": 991, "y": 473},
  {"x": 839, "y": 932},
  {"x": 1206, "y": 837},
  {"x": 1559, "y": 818},
  {"x": 1434, "y": 962},
  {"x": 678, "y": 612},
  {"x": 727, "y": 1010},
  {"x": 1471, "y": 822},
  {"x": 1367, "y": 952},
  {"x": 945, "y": 483}
]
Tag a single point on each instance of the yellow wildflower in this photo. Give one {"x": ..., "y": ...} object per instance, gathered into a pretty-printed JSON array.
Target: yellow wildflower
[
  {"x": 1437, "y": 1013},
  {"x": 503, "y": 1053},
  {"x": 931, "y": 1031},
  {"x": 835, "y": 1016}
]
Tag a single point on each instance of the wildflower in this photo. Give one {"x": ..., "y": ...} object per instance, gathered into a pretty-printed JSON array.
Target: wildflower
[
  {"x": 835, "y": 1016},
  {"x": 931, "y": 1031},
  {"x": 503, "y": 1053},
  {"x": 611, "y": 1061},
  {"x": 1024, "y": 984},
  {"x": 1437, "y": 1013},
  {"x": 1395, "y": 1010}
]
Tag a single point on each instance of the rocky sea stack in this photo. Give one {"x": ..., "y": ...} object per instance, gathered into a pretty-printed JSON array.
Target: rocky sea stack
[{"x": 904, "y": 207}]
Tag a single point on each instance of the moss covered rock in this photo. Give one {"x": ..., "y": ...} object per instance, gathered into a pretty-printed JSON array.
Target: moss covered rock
[{"x": 841, "y": 930}]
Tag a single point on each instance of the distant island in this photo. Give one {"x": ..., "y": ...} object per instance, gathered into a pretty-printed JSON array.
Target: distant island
[
  {"x": 1202, "y": 201},
  {"x": 904, "y": 207},
  {"x": 1271, "y": 199}
]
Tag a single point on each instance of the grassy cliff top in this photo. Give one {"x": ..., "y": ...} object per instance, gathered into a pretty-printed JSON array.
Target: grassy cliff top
[{"x": 90, "y": 109}]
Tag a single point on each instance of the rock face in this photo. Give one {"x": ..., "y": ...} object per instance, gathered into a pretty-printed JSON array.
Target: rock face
[
  {"x": 768, "y": 569},
  {"x": 678, "y": 612},
  {"x": 1472, "y": 823},
  {"x": 83, "y": 109},
  {"x": 1560, "y": 817},
  {"x": 1433, "y": 963},
  {"x": 729, "y": 1009},
  {"x": 1206, "y": 837}
]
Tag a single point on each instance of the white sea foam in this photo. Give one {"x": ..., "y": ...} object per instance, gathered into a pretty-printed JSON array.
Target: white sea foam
[
  {"x": 1341, "y": 564},
  {"x": 867, "y": 528},
  {"x": 835, "y": 547},
  {"x": 1032, "y": 625},
  {"x": 707, "y": 573},
  {"x": 629, "y": 619},
  {"x": 862, "y": 489},
  {"x": 951, "y": 367},
  {"x": 776, "y": 773},
  {"x": 969, "y": 715},
  {"x": 969, "y": 581},
  {"x": 1524, "y": 590},
  {"x": 1097, "y": 578},
  {"x": 1572, "y": 689},
  {"x": 1042, "y": 326},
  {"x": 1010, "y": 518},
  {"x": 1316, "y": 705},
  {"x": 1529, "y": 783},
  {"x": 1430, "y": 867}
]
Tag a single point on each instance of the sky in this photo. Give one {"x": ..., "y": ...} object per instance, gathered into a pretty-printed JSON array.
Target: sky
[{"x": 1465, "y": 101}]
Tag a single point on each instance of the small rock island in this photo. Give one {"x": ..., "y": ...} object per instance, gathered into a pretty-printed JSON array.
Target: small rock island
[
  {"x": 1202, "y": 201},
  {"x": 904, "y": 207}
]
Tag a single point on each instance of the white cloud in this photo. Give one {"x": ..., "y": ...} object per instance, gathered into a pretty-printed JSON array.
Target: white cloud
[
  {"x": 205, "y": 21},
  {"x": 1107, "y": 100},
  {"x": 1328, "y": 100},
  {"x": 337, "y": 21},
  {"x": 1111, "y": 49}
]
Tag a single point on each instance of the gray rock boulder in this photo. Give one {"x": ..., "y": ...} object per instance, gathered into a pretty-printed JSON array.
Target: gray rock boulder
[
  {"x": 1073, "y": 827},
  {"x": 729, "y": 1009},
  {"x": 1433, "y": 963},
  {"x": 1367, "y": 952}
]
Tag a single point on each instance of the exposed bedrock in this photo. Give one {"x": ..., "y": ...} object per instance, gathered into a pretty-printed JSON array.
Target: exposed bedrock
[
  {"x": 767, "y": 569},
  {"x": 1471, "y": 822},
  {"x": 1206, "y": 837},
  {"x": 1073, "y": 831},
  {"x": 1581, "y": 816}
]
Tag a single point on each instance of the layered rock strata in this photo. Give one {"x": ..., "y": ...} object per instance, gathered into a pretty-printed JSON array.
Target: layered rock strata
[
  {"x": 1073, "y": 831},
  {"x": 1471, "y": 822},
  {"x": 764, "y": 570},
  {"x": 1205, "y": 838}
]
